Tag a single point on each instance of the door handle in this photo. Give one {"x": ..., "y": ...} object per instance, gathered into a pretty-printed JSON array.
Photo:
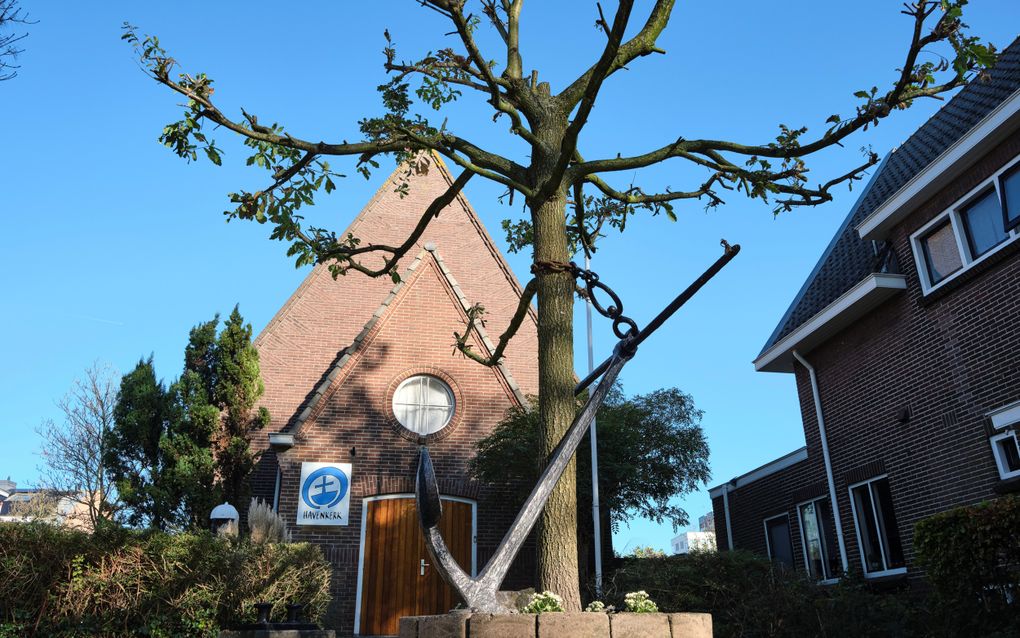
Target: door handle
[{"x": 423, "y": 565}]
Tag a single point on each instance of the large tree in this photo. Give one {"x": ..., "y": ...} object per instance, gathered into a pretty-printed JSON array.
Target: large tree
[
  {"x": 552, "y": 169},
  {"x": 651, "y": 451},
  {"x": 73, "y": 450}
]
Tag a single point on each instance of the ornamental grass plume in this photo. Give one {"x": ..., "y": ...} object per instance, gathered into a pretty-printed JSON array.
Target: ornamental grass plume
[{"x": 266, "y": 525}]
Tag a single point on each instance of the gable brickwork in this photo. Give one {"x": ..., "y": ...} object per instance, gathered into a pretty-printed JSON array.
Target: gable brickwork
[{"x": 334, "y": 354}]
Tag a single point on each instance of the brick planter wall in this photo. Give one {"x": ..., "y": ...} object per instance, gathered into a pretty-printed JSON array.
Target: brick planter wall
[{"x": 557, "y": 625}]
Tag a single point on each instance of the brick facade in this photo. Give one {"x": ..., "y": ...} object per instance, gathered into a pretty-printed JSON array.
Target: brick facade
[
  {"x": 905, "y": 391},
  {"x": 334, "y": 354}
]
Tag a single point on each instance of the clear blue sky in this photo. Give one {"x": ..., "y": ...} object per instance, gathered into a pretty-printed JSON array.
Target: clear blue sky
[{"x": 111, "y": 248}]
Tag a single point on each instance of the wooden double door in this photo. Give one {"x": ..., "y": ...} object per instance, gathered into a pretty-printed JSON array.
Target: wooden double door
[{"x": 398, "y": 578}]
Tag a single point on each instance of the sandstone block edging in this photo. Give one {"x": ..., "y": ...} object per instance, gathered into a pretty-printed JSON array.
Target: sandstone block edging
[{"x": 557, "y": 625}]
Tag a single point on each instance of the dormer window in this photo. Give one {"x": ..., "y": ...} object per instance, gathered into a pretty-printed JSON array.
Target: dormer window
[{"x": 975, "y": 227}]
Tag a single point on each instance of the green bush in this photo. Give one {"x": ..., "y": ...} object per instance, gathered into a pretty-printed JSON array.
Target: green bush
[
  {"x": 57, "y": 582},
  {"x": 972, "y": 559},
  {"x": 748, "y": 597}
]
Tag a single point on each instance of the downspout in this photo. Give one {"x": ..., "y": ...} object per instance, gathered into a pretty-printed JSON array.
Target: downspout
[
  {"x": 825, "y": 457},
  {"x": 726, "y": 511},
  {"x": 276, "y": 489}
]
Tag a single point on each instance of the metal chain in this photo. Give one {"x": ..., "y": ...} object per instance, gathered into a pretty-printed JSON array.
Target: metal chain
[{"x": 592, "y": 284}]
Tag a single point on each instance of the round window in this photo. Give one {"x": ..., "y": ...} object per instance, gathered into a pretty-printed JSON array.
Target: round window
[{"x": 423, "y": 404}]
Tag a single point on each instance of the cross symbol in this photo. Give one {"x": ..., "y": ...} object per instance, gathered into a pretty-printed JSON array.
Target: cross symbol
[{"x": 322, "y": 485}]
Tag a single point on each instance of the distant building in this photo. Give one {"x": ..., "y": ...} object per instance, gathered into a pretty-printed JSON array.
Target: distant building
[
  {"x": 706, "y": 523},
  {"x": 694, "y": 541},
  {"x": 37, "y": 504}
]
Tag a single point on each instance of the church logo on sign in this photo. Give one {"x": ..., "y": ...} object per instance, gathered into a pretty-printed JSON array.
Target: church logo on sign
[{"x": 325, "y": 494}]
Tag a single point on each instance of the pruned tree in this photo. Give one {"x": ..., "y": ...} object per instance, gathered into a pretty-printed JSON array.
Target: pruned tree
[
  {"x": 73, "y": 451},
  {"x": 552, "y": 171},
  {"x": 12, "y": 17}
]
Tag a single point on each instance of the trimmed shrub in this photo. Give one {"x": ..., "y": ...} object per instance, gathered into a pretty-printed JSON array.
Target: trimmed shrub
[
  {"x": 749, "y": 597},
  {"x": 972, "y": 559},
  {"x": 57, "y": 582}
]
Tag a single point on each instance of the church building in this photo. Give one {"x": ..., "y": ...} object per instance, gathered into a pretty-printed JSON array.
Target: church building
[{"x": 357, "y": 370}]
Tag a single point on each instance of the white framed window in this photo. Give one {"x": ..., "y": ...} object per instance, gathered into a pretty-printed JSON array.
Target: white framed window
[
  {"x": 777, "y": 540},
  {"x": 817, "y": 535},
  {"x": 976, "y": 226},
  {"x": 423, "y": 404},
  {"x": 878, "y": 536},
  {"x": 1004, "y": 441}
]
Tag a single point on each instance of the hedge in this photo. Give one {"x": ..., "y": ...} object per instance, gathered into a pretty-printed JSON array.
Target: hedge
[
  {"x": 57, "y": 582},
  {"x": 749, "y": 597},
  {"x": 972, "y": 559}
]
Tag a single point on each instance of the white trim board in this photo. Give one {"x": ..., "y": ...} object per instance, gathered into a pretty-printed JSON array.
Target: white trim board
[
  {"x": 993, "y": 129},
  {"x": 771, "y": 467},
  {"x": 1005, "y": 415},
  {"x": 361, "y": 542},
  {"x": 852, "y": 305}
]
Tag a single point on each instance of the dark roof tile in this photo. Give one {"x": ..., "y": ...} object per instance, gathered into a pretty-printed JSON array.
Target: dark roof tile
[{"x": 848, "y": 258}]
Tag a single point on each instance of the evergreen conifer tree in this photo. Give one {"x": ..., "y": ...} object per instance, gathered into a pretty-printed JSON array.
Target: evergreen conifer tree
[
  {"x": 237, "y": 388},
  {"x": 134, "y": 451},
  {"x": 194, "y": 422}
]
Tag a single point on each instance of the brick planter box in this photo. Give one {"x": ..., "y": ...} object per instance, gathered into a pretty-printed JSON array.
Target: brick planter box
[{"x": 557, "y": 625}]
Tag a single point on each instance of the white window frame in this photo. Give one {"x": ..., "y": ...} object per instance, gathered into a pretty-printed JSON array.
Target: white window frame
[
  {"x": 1002, "y": 419},
  {"x": 857, "y": 530},
  {"x": 768, "y": 543},
  {"x": 955, "y": 216},
  {"x": 451, "y": 408},
  {"x": 803, "y": 538}
]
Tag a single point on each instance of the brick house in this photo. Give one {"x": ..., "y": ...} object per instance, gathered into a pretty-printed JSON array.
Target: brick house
[
  {"x": 356, "y": 369},
  {"x": 905, "y": 345}
]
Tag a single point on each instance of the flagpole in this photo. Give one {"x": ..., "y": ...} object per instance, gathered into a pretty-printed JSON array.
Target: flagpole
[{"x": 594, "y": 461}]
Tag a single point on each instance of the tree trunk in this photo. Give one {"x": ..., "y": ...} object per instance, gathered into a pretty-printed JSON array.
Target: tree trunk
[{"x": 557, "y": 536}]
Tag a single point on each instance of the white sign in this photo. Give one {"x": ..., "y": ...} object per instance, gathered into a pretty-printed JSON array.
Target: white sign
[{"x": 325, "y": 494}]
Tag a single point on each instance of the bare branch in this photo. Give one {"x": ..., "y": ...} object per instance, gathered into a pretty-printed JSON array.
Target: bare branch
[
  {"x": 475, "y": 319},
  {"x": 914, "y": 81},
  {"x": 643, "y": 43},
  {"x": 344, "y": 255}
]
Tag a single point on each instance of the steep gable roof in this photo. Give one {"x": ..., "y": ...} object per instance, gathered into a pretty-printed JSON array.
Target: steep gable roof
[
  {"x": 302, "y": 344},
  {"x": 848, "y": 259}
]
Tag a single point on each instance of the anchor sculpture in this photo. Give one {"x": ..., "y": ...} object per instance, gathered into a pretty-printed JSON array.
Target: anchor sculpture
[{"x": 481, "y": 593}]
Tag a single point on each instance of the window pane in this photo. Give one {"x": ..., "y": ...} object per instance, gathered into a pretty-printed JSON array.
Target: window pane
[
  {"x": 780, "y": 547},
  {"x": 868, "y": 529},
  {"x": 941, "y": 253},
  {"x": 887, "y": 524},
  {"x": 829, "y": 545},
  {"x": 423, "y": 404},
  {"x": 1011, "y": 195},
  {"x": 1009, "y": 453},
  {"x": 813, "y": 542},
  {"x": 983, "y": 221}
]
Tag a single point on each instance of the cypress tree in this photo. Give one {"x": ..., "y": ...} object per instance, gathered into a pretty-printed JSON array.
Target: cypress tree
[
  {"x": 134, "y": 452},
  {"x": 238, "y": 387}
]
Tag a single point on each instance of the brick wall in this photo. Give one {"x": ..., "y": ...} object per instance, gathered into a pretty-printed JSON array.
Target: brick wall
[
  {"x": 948, "y": 358},
  {"x": 353, "y": 422}
]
